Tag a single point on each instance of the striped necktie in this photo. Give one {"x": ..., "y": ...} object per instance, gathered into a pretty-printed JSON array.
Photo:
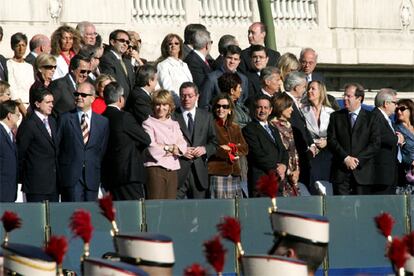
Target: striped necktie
[{"x": 84, "y": 128}]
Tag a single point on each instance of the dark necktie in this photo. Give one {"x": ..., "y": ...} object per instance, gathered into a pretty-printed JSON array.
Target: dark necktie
[
  {"x": 2, "y": 73},
  {"x": 352, "y": 118},
  {"x": 84, "y": 128},
  {"x": 269, "y": 131},
  {"x": 190, "y": 123}
]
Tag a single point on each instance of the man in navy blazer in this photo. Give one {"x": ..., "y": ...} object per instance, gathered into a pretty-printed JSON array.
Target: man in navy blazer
[
  {"x": 83, "y": 138},
  {"x": 9, "y": 115}
]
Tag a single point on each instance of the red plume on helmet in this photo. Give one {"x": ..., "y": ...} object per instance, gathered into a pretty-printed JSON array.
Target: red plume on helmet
[{"x": 215, "y": 253}]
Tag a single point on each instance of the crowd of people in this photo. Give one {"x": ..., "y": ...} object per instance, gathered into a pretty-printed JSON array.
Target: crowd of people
[{"x": 78, "y": 115}]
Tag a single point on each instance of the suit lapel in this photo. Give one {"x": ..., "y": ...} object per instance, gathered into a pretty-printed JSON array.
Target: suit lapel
[
  {"x": 74, "y": 120},
  {"x": 7, "y": 137},
  {"x": 92, "y": 129},
  {"x": 198, "y": 124},
  {"x": 43, "y": 129},
  {"x": 183, "y": 126}
]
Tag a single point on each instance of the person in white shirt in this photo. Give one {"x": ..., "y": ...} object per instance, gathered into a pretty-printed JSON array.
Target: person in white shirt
[{"x": 172, "y": 71}]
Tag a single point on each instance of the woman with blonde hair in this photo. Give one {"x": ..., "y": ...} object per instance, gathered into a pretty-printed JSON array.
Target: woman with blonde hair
[
  {"x": 99, "y": 105},
  {"x": 45, "y": 67},
  {"x": 287, "y": 63},
  {"x": 167, "y": 144},
  {"x": 317, "y": 110}
]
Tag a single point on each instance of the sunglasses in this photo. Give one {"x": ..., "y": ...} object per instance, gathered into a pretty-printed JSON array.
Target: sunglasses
[
  {"x": 83, "y": 95},
  {"x": 85, "y": 72},
  {"x": 49, "y": 67},
  {"x": 401, "y": 108},
  {"x": 224, "y": 106},
  {"x": 133, "y": 47},
  {"x": 173, "y": 43},
  {"x": 122, "y": 40}
]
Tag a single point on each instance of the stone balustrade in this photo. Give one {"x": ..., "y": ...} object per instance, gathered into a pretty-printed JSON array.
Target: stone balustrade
[{"x": 342, "y": 31}]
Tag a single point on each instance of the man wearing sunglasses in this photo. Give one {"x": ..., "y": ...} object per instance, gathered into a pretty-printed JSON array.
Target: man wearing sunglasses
[
  {"x": 83, "y": 138},
  {"x": 63, "y": 88},
  {"x": 113, "y": 63},
  {"x": 387, "y": 158}
]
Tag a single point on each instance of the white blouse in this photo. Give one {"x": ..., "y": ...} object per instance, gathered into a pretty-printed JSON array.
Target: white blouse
[
  {"x": 317, "y": 131},
  {"x": 172, "y": 73},
  {"x": 21, "y": 78}
]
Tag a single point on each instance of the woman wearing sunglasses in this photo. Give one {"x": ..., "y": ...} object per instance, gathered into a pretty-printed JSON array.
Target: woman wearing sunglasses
[
  {"x": 45, "y": 67},
  {"x": 223, "y": 167},
  {"x": 172, "y": 71},
  {"x": 404, "y": 114}
]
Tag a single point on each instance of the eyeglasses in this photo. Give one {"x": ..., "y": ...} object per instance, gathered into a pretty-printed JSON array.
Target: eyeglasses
[
  {"x": 139, "y": 40},
  {"x": 91, "y": 34},
  {"x": 173, "y": 43},
  {"x": 123, "y": 40},
  {"x": 85, "y": 72},
  {"x": 83, "y": 95},
  {"x": 133, "y": 47},
  {"x": 224, "y": 106},
  {"x": 49, "y": 67},
  {"x": 401, "y": 108}
]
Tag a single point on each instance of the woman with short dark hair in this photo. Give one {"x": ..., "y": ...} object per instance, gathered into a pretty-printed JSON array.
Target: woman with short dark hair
[
  {"x": 404, "y": 114},
  {"x": 282, "y": 109},
  {"x": 21, "y": 75}
]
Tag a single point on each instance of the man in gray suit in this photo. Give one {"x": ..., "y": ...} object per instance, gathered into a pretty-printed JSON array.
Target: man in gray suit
[{"x": 198, "y": 129}]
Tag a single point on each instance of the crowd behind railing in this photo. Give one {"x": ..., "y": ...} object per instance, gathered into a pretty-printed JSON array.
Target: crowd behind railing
[{"x": 79, "y": 117}]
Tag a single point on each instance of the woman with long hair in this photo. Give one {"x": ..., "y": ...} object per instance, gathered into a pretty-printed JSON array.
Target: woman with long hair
[{"x": 223, "y": 167}]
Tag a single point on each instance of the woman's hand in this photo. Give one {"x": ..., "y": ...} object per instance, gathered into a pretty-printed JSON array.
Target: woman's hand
[
  {"x": 321, "y": 143},
  {"x": 225, "y": 147}
]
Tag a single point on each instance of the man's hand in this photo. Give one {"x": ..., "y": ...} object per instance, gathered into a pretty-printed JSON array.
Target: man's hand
[
  {"x": 199, "y": 151},
  {"x": 351, "y": 162},
  {"x": 189, "y": 153},
  {"x": 401, "y": 139}
]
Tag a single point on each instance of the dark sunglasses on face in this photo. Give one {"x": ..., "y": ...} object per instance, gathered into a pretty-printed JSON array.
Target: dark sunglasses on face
[
  {"x": 225, "y": 106},
  {"x": 83, "y": 95},
  {"x": 173, "y": 43},
  {"x": 85, "y": 72},
  {"x": 133, "y": 47},
  {"x": 401, "y": 108},
  {"x": 123, "y": 40},
  {"x": 49, "y": 67}
]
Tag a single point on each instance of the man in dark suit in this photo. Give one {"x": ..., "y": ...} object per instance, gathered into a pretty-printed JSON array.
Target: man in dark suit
[
  {"x": 295, "y": 86},
  {"x": 139, "y": 100},
  {"x": 197, "y": 59},
  {"x": 387, "y": 158},
  {"x": 188, "y": 46},
  {"x": 38, "y": 44},
  {"x": 122, "y": 167},
  {"x": 83, "y": 138},
  {"x": 113, "y": 63},
  {"x": 258, "y": 60},
  {"x": 3, "y": 62},
  {"x": 354, "y": 139},
  {"x": 37, "y": 146},
  {"x": 266, "y": 150},
  {"x": 198, "y": 129},
  {"x": 9, "y": 116},
  {"x": 63, "y": 88},
  {"x": 256, "y": 36},
  {"x": 211, "y": 89}
]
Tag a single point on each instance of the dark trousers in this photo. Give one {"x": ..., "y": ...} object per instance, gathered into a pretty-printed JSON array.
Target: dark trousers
[
  {"x": 131, "y": 191},
  {"x": 54, "y": 197},
  {"x": 161, "y": 183},
  {"x": 191, "y": 188},
  {"x": 78, "y": 192},
  {"x": 350, "y": 187}
]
